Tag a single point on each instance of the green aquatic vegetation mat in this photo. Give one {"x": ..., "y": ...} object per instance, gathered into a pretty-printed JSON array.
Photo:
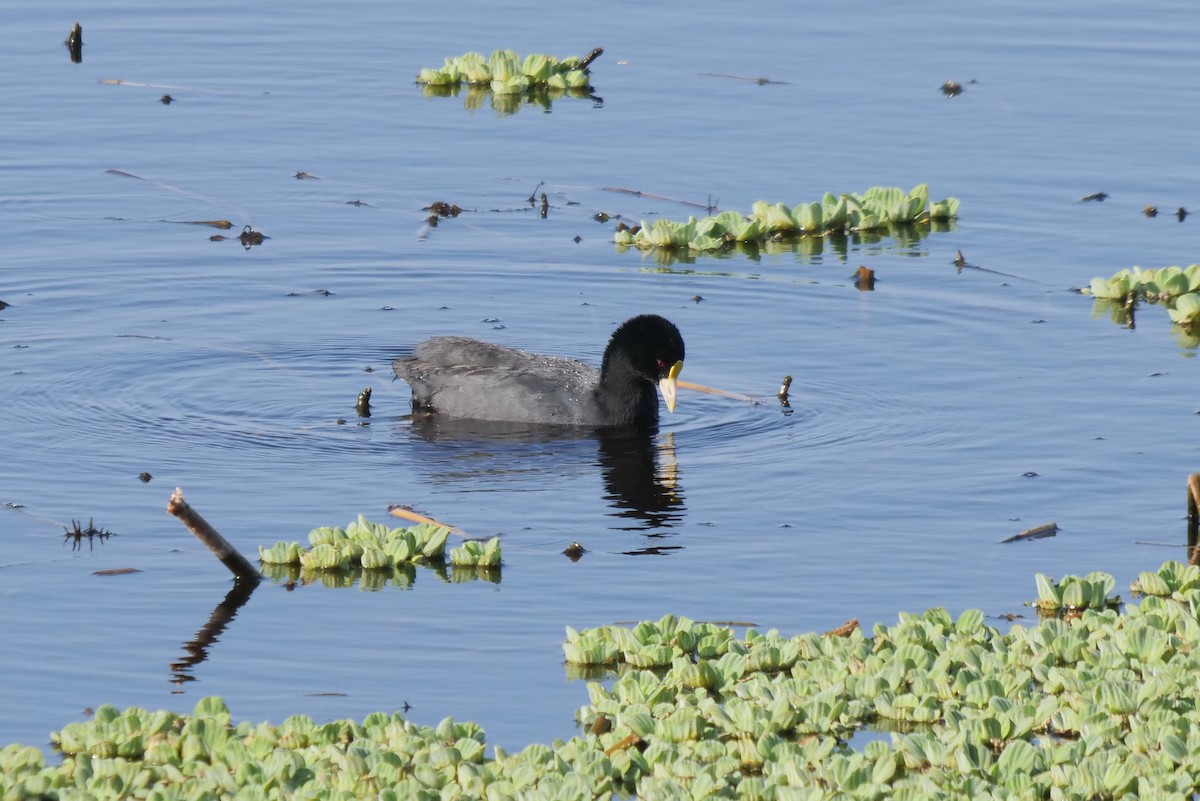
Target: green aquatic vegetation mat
[
  {"x": 1176, "y": 288},
  {"x": 1102, "y": 706},
  {"x": 377, "y": 553},
  {"x": 876, "y": 209},
  {"x": 506, "y": 73}
]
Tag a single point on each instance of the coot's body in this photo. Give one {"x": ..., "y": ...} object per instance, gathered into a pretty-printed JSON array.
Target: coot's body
[{"x": 469, "y": 378}]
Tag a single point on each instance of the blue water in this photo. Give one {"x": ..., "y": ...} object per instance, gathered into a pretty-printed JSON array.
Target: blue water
[{"x": 133, "y": 343}]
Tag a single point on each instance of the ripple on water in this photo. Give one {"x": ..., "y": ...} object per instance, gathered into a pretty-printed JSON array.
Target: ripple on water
[{"x": 184, "y": 398}]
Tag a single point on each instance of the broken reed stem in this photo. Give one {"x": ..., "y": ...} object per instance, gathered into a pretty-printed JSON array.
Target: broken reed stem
[
  {"x": 404, "y": 513},
  {"x": 1193, "y": 514},
  {"x": 712, "y": 391},
  {"x": 638, "y": 193},
  {"x": 220, "y": 547},
  {"x": 1035, "y": 533}
]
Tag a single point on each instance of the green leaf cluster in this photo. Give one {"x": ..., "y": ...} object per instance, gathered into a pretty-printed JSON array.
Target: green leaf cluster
[
  {"x": 373, "y": 546},
  {"x": 1163, "y": 285},
  {"x": 1177, "y": 288},
  {"x": 474, "y": 553},
  {"x": 877, "y": 208},
  {"x": 1101, "y": 705},
  {"x": 505, "y": 73},
  {"x": 1072, "y": 593}
]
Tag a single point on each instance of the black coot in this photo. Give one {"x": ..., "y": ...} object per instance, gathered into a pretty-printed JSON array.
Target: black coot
[{"x": 469, "y": 378}]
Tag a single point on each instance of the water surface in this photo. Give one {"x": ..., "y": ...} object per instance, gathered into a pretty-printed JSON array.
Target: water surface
[{"x": 930, "y": 419}]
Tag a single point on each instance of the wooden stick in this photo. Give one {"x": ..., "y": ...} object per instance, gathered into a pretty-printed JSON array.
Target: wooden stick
[
  {"x": 404, "y": 513},
  {"x": 712, "y": 391},
  {"x": 622, "y": 744},
  {"x": 1035, "y": 533},
  {"x": 1193, "y": 507},
  {"x": 220, "y": 547},
  {"x": 590, "y": 57},
  {"x": 638, "y": 193}
]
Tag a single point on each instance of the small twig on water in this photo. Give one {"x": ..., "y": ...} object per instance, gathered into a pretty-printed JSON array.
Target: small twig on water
[
  {"x": 1035, "y": 533},
  {"x": 709, "y": 207},
  {"x": 220, "y": 547},
  {"x": 590, "y": 57},
  {"x": 713, "y": 391},
  {"x": 406, "y": 513}
]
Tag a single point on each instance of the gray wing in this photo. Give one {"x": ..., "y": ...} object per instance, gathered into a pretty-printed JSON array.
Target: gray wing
[{"x": 469, "y": 378}]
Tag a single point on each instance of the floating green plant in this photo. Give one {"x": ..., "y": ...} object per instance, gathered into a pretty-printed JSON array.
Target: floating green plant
[
  {"x": 876, "y": 209},
  {"x": 374, "y": 546},
  {"x": 508, "y": 80},
  {"x": 506, "y": 73},
  {"x": 1074, "y": 594},
  {"x": 1176, "y": 288},
  {"x": 474, "y": 553},
  {"x": 1173, "y": 580},
  {"x": 1104, "y": 705},
  {"x": 1163, "y": 285}
]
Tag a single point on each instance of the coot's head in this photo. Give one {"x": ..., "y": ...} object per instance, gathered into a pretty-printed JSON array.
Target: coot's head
[{"x": 652, "y": 347}]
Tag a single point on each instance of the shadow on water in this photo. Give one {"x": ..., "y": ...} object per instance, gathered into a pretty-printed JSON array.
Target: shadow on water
[{"x": 638, "y": 468}]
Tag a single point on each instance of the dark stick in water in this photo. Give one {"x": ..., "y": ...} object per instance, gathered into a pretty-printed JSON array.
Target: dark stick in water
[{"x": 220, "y": 547}]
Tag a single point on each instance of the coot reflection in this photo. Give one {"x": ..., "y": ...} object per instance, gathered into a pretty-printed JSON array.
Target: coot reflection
[{"x": 637, "y": 466}]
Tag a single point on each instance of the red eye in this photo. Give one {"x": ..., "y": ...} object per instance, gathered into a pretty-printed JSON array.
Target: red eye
[{"x": 661, "y": 363}]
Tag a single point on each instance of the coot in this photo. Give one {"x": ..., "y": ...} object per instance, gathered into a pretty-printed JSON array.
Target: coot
[{"x": 469, "y": 378}]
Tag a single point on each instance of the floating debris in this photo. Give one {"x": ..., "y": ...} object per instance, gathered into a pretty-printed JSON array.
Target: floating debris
[
  {"x": 76, "y": 534},
  {"x": 574, "y": 551},
  {"x": 864, "y": 279},
  {"x": 760, "y": 81},
  {"x": 249, "y": 237},
  {"x": 224, "y": 225},
  {"x": 1099, "y": 197},
  {"x": 443, "y": 209},
  {"x": 74, "y": 43},
  {"x": 951, "y": 89},
  {"x": 116, "y": 571},
  {"x": 1181, "y": 213},
  {"x": 601, "y": 217},
  {"x": 144, "y": 477},
  {"x": 784, "y": 388},
  {"x": 845, "y": 630},
  {"x": 1035, "y": 533},
  {"x": 960, "y": 261},
  {"x": 166, "y": 100},
  {"x": 1150, "y": 211},
  {"x": 303, "y": 176},
  {"x": 363, "y": 405}
]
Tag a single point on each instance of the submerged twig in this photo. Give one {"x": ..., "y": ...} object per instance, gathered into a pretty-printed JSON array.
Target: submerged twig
[
  {"x": 220, "y": 547},
  {"x": 760, "y": 80},
  {"x": 1035, "y": 533},
  {"x": 639, "y": 193}
]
